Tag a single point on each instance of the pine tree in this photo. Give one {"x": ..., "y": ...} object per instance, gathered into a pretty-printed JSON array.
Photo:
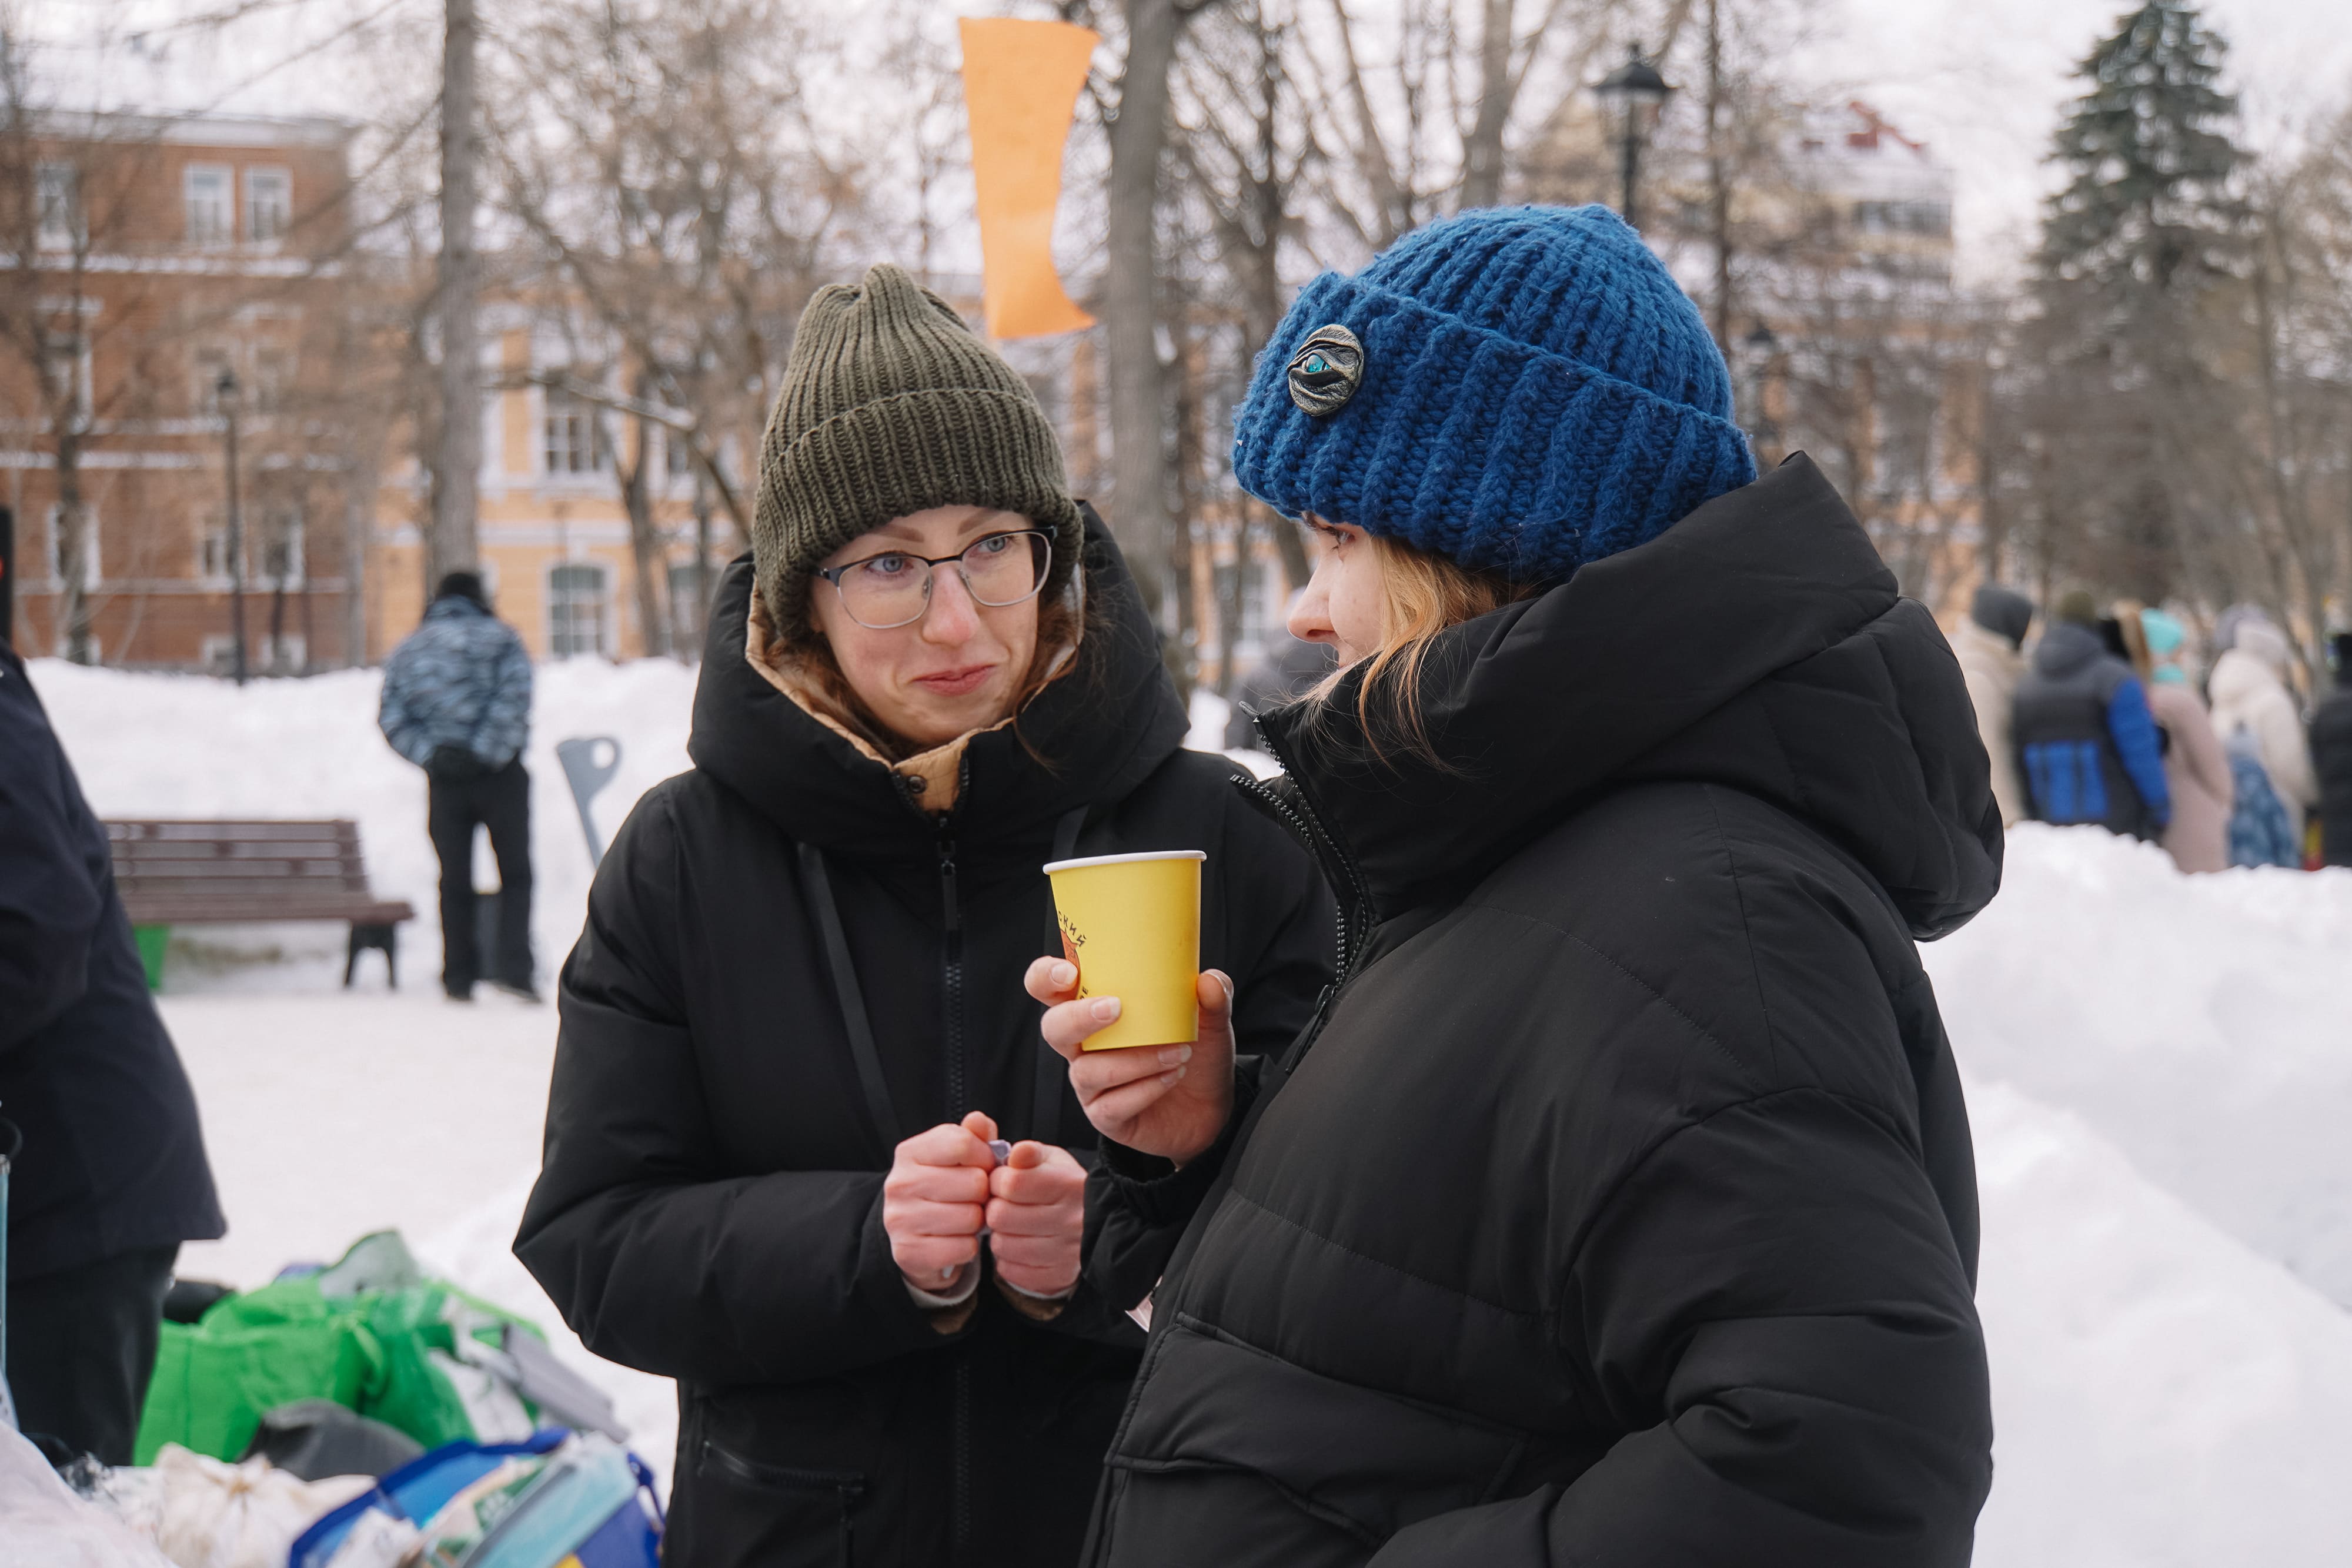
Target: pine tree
[
  {"x": 2128, "y": 282},
  {"x": 2149, "y": 208}
]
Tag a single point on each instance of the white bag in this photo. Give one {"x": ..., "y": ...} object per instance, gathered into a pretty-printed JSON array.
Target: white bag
[
  {"x": 44, "y": 1525},
  {"x": 205, "y": 1513}
]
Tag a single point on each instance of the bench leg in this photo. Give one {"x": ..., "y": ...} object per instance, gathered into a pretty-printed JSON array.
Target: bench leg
[{"x": 382, "y": 939}]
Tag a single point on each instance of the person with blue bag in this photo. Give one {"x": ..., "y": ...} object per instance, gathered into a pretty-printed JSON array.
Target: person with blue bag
[{"x": 1617, "y": 1205}]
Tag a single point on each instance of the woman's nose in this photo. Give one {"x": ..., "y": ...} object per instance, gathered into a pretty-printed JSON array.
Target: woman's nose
[
  {"x": 1310, "y": 617},
  {"x": 950, "y": 617}
]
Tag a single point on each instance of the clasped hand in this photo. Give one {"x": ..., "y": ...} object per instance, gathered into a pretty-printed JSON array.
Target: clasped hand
[{"x": 945, "y": 1187}]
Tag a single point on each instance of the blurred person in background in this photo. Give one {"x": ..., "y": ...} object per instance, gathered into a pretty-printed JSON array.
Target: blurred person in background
[
  {"x": 1281, "y": 675},
  {"x": 2331, "y": 755},
  {"x": 456, "y": 702},
  {"x": 2196, "y": 769},
  {"x": 2255, "y": 711},
  {"x": 2086, "y": 745},
  {"x": 112, "y": 1177},
  {"x": 1989, "y": 645}
]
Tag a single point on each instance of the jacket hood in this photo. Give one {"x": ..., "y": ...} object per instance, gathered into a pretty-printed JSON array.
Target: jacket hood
[
  {"x": 2241, "y": 674},
  {"x": 456, "y": 607},
  {"x": 1102, "y": 727},
  {"x": 1760, "y": 643},
  {"x": 2066, "y": 648},
  {"x": 2003, "y": 612}
]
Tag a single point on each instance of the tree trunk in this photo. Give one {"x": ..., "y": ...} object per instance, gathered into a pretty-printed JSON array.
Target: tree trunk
[
  {"x": 645, "y": 541},
  {"x": 359, "y": 507},
  {"x": 73, "y": 550},
  {"x": 1130, "y": 294},
  {"x": 453, "y": 544},
  {"x": 1482, "y": 151},
  {"x": 1717, "y": 177}
]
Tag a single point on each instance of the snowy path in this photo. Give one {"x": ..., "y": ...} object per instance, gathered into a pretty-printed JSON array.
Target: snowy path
[{"x": 2159, "y": 1071}]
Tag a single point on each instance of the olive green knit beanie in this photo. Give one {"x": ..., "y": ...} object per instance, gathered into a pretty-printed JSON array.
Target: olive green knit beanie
[{"x": 890, "y": 406}]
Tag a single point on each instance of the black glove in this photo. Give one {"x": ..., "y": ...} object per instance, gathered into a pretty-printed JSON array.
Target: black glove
[{"x": 455, "y": 764}]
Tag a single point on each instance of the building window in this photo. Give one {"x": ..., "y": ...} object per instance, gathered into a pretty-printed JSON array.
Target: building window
[
  {"x": 273, "y": 379},
  {"x": 1933, "y": 219},
  {"x": 205, "y": 194},
  {"x": 268, "y": 204},
  {"x": 66, "y": 371},
  {"x": 573, "y": 441},
  {"x": 56, "y": 194},
  {"x": 690, "y": 587},
  {"x": 279, "y": 550},
  {"x": 575, "y": 610},
  {"x": 89, "y": 572}
]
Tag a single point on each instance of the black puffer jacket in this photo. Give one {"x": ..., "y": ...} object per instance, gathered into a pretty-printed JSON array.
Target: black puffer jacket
[
  {"x": 710, "y": 1207},
  {"x": 113, "y": 1159},
  {"x": 1619, "y": 1208}
]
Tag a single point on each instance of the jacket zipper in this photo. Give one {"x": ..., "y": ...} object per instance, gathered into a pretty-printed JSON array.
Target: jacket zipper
[
  {"x": 958, "y": 1088},
  {"x": 1321, "y": 842}
]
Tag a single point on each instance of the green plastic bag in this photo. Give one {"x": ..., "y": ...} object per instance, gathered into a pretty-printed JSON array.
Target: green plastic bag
[{"x": 371, "y": 1334}]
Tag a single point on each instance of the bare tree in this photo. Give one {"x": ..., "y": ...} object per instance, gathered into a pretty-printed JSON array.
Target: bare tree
[{"x": 664, "y": 164}]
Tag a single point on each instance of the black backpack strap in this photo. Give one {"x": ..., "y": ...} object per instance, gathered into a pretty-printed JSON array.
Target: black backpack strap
[
  {"x": 854, "y": 1019},
  {"x": 1045, "y": 1096}
]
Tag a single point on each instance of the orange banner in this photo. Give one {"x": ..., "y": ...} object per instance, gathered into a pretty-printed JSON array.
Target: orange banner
[{"x": 1021, "y": 82}]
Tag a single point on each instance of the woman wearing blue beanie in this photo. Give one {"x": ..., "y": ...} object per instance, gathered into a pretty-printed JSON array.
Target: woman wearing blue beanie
[{"x": 1617, "y": 1207}]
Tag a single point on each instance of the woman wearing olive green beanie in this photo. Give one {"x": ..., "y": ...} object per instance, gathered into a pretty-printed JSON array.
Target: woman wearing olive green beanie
[{"x": 795, "y": 1024}]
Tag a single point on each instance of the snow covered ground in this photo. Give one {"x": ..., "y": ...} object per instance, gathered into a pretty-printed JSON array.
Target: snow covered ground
[{"x": 2160, "y": 1071}]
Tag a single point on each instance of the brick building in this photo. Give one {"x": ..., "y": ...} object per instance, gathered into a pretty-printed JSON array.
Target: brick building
[{"x": 151, "y": 268}]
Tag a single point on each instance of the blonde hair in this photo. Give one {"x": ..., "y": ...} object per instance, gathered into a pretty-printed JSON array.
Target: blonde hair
[{"x": 1420, "y": 596}]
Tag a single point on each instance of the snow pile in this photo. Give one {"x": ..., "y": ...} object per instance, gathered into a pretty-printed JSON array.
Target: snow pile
[
  {"x": 2203, "y": 1025},
  {"x": 2159, "y": 1067},
  {"x": 2162, "y": 1396}
]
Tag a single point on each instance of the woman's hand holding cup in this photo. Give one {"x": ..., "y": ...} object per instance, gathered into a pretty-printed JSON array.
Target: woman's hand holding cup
[
  {"x": 1167, "y": 1099},
  {"x": 935, "y": 1200}
]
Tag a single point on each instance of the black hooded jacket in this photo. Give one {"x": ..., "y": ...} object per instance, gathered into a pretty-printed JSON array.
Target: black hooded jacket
[
  {"x": 710, "y": 1206},
  {"x": 113, "y": 1157},
  {"x": 1618, "y": 1206}
]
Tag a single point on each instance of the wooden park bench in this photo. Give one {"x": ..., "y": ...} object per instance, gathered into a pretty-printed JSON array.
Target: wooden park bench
[{"x": 239, "y": 873}]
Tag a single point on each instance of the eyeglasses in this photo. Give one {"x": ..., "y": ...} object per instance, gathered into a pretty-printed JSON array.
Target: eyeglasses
[{"x": 893, "y": 589}]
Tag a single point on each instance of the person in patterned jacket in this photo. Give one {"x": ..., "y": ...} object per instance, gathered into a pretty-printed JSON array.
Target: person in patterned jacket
[{"x": 456, "y": 702}]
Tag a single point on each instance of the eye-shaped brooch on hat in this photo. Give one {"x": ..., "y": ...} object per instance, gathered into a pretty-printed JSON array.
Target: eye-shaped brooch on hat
[{"x": 1327, "y": 370}]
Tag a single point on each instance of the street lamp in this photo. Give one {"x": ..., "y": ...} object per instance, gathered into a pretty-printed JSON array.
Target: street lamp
[
  {"x": 1632, "y": 89},
  {"x": 1757, "y": 351},
  {"x": 227, "y": 389}
]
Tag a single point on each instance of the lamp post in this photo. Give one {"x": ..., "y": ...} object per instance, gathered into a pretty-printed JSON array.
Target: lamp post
[
  {"x": 226, "y": 388},
  {"x": 1757, "y": 351},
  {"x": 1631, "y": 89}
]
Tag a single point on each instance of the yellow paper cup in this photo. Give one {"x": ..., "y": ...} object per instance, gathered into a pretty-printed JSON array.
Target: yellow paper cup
[{"x": 1132, "y": 925}]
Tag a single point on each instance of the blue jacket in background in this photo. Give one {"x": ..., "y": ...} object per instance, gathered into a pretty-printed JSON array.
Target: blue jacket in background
[
  {"x": 462, "y": 678},
  {"x": 2087, "y": 747}
]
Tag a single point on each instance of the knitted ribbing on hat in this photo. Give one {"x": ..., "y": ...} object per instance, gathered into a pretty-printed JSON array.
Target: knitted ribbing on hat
[
  {"x": 890, "y": 406},
  {"x": 1536, "y": 392}
]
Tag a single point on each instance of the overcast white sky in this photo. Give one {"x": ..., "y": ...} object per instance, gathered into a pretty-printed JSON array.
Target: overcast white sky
[{"x": 1982, "y": 82}]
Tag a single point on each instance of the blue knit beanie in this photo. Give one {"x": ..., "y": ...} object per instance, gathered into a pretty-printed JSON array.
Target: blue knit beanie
[{"x": 1521, "y": 389}]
